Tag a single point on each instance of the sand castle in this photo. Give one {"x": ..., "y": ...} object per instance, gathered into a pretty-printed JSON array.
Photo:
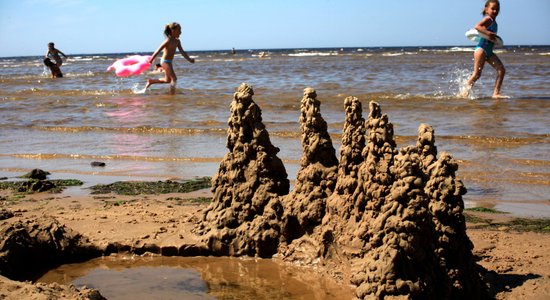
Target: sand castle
[
  {"x": 393, "y": 215},
  {"x": 387, "y": 220}
]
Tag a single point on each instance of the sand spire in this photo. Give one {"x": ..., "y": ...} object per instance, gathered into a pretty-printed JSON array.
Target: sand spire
[
  {"x": 242, "y": 219},
  {"x": 316, "y": 178}
]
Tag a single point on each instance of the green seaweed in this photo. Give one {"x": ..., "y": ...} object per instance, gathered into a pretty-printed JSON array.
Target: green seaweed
[
  {"x": 199, "y": 200},
  {"x": 35, "y": 186},
  {"x": 10, "y": 185},
  {"x": 536, "y": 225},
  {"x": 66, "y": 182},
  {"x": 151, "y": 187},
  {"x": 516, "y": 224},
  {"x": 476, "y": 219},
  {"x": 119, "y": 203},
  {"x": 485, "y": 210}
]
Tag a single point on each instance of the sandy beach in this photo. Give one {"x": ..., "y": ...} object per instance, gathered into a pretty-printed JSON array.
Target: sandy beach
[{"x": 519, "y": 262}]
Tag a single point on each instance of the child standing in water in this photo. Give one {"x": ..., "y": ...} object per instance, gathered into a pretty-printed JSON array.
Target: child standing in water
[
  {"x": 172, "y": 32},
  {"x": 53, "y": 53},
  {"x": 484, "y": 49}
]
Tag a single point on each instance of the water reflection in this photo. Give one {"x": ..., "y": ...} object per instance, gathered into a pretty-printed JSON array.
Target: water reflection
[{"x": 126, "y": 277}]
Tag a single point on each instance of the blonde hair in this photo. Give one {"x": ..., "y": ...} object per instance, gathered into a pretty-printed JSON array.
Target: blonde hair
[
  {"x": 487, "y": 4},
  {"x": 170, "y": 27}
]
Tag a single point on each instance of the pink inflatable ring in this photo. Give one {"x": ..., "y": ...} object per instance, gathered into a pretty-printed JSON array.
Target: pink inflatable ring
[{"x": 131, "y": 65}]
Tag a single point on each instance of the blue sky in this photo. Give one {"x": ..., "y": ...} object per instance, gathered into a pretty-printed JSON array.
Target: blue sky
[{"x": 107, "y": 26}]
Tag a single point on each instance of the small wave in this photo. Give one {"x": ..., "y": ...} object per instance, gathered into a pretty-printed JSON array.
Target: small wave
[
  {"x": 545, "y": 54},
  {"x": 78, "y": 75},
  {"x": 398, "y": 53},
  {"x": 78, "y": 58},
  {"x": 450, "y": 50},
  {"x": 520, "y": 141},
  {"x": 45, "y": 156},
  {"x": 140, "y": 129},
  {"x": 305, "y": 54}
]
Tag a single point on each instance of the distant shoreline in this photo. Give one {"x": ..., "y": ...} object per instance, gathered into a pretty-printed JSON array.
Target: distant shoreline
[{"x": 287, "y": 49}]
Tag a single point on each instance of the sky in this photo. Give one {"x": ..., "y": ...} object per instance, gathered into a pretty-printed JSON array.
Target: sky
[{"x": 109, "y": 26}]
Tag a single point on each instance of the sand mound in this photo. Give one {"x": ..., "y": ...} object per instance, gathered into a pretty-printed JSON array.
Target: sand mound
[
  {"x": 33, "y": 245},
  {"x": 40, "y": 244},
  {"x": 10, "y": 289}
]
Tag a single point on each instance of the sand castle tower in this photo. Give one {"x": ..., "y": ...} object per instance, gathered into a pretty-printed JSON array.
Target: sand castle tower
[
  {"x": 453, "y": 247},
  {"x": 400, "y": 260},
  {"x": 426, "y": 145},
  {"x": 353, "y": 143},
  {"x": 316, "y": 178},
  {"x": 245, "y": 215},
  {"x": 336, "y": 223},
  {"x": 375, "y": 178}
]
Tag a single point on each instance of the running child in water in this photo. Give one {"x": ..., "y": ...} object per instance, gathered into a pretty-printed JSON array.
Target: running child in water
[
  {"x": 484, "y": 49},
  {"x": 53, "y": 53},
  {"x": 172, "y": 32}
]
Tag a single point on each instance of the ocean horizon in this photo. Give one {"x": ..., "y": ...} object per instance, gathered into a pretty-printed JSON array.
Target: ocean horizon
[{"x": 228, "y": 50}]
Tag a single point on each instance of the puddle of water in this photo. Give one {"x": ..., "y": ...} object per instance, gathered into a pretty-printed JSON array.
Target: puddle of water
[{"x": 127, "y": 277}]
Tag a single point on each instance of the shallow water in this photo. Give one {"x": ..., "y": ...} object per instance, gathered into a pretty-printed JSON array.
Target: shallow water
[
  {"x": 126, "y": 277},
  {"x": 61, "y": 125}
]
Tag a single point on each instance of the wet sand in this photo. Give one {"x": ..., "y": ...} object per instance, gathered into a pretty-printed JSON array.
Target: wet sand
[{"x": 520, "y": 260}]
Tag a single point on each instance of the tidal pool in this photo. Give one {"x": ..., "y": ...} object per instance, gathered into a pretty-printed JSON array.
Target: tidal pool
[{"x": 136, "y": 277}]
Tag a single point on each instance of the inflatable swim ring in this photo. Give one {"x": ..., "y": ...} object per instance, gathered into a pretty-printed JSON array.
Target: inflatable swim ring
[
  {"x": 475, "y": 36},
  {"x": 130, "y": 66}
]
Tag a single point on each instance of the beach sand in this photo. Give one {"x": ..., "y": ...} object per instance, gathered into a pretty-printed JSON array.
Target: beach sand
[{"x": 520, "y": 261}]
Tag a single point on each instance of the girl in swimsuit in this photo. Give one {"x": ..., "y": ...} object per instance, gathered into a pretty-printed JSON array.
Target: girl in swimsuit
[
  {"x": 172, "y": 32},
  {"x": 484, "y": 50},
  {"x": 53, "y": 53}
]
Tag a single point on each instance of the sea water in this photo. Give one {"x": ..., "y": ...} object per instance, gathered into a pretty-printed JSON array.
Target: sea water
[{"x": 61, "y": 125}]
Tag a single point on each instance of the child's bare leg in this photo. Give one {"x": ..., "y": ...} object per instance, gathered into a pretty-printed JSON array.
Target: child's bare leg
[
  {"x": 166, "y": 79},
  {"x": 173, "y": 86},
  {"x": 501, "y": 71},
  {"x": 479, "y": 62},
  {"x": 171, "y": 77}
]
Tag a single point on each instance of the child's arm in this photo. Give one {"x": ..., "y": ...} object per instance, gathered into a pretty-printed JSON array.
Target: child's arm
[
  {"x": 482, "y": 27},
  {"x": 47, "y": 53},
  {"x": 158, "y": 51},
  {"x": 62, "y": 53},
  {"x": 180, "y": 48}
]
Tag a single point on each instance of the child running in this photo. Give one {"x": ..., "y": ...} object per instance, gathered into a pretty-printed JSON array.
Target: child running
[
  {"x": 172, "y": 32},
  {"x": 484, "y": 49},
  {"x": 53, "y": 53}
]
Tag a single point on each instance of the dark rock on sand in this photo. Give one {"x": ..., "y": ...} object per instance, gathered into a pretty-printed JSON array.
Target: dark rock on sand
[
  {"x": 5, "y": 214},
  {"x": 32, "y": 186},
  {"x": 37, "y": 174},
  {"x": 97, "y": 164}
]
